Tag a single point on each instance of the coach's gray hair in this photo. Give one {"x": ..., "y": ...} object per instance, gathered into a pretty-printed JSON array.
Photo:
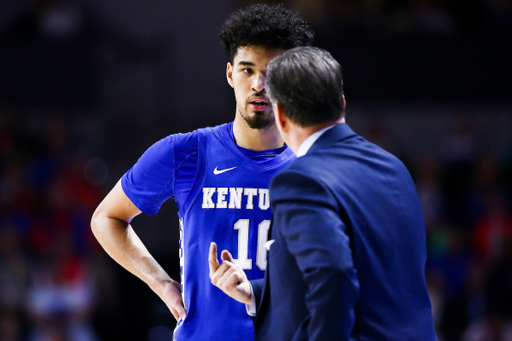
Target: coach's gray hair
[{"x": 307, "y": 84}]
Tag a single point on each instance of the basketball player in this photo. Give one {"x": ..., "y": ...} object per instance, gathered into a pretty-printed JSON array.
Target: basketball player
[{"x": 219, "y": 178}]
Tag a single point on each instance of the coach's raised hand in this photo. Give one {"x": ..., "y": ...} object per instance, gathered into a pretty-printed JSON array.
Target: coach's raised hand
[{"x": 228, "y": 276}]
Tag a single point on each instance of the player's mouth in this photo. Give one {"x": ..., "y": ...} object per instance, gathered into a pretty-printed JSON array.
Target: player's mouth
[{"x": 259, "y": 104}]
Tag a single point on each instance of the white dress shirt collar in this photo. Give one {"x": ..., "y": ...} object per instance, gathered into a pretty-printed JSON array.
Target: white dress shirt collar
[{"x": 304, "y": 147}]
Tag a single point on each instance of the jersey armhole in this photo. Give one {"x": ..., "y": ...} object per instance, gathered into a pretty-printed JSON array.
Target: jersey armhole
[{"x": 202, "y": 146}]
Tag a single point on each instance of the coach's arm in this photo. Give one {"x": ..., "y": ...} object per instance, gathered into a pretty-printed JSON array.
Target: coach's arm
[{"x": 111, "y": 226}]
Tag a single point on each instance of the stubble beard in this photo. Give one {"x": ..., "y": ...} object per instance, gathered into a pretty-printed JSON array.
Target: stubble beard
[{"x": 259, "y": 120}]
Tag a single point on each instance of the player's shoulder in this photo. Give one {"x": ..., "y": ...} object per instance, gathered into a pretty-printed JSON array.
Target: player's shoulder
[
  {"x": 194, "y": 135},
  {"x": 215, "y": 130},
  {"x": 174, "y": 144},
  {"x": 184, "y": 145}
]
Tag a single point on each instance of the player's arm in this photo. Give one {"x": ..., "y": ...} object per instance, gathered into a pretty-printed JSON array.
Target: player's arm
[{"x": 111, "y": 227}]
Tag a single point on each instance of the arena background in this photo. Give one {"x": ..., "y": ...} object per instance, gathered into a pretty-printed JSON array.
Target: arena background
[{"x": 87, "y": 85}]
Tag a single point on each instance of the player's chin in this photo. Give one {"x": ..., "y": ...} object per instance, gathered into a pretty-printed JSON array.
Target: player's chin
[
  {"x": 264, "y": 113},
  {"x": 261, "y": 122}
]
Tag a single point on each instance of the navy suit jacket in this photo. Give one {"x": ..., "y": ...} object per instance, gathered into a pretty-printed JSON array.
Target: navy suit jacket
[{"x": 349, "y": 253}]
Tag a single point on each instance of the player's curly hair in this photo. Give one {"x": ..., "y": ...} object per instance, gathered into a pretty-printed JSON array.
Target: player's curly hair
[{"x": 265, "y": 25}]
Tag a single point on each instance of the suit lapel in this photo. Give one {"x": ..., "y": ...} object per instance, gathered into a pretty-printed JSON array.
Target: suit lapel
[{"x": 337, "y": 133}]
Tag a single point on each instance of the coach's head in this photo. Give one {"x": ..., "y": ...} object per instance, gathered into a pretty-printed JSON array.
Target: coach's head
[{"x": 305, "y": 86}]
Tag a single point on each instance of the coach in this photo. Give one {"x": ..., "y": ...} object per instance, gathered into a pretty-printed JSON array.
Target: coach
[{"x": 347, "y": 251}]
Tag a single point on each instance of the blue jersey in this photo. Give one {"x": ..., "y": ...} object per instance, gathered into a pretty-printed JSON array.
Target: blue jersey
[{"x": 222, "y": 196}]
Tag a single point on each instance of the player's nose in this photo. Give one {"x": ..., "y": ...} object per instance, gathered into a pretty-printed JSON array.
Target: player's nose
[{"x": 258, "y": 83}]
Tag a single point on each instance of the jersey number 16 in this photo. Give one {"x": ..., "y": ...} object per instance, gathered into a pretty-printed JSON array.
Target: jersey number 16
[{"x": 242, "y": 225}]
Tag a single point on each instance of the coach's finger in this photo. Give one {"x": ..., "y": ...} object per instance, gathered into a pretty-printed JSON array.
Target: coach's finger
[
  {"x": 226, "y": 255},
  {"x": 212, "y": 258}
]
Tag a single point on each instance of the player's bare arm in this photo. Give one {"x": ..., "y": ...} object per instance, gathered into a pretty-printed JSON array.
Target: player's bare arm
[
  {"x": 111, "y": 227},
  {"x": 228, "y": 276}
]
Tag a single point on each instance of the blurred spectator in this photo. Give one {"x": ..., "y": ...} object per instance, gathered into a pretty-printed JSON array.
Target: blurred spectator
[
  {"x": 11, "y": 327},
  {"x": 491, "y": 329},
  {"x": 404, "y": 17},
  {"x": 493, "y": 233},
  {"x": 47, "y": 55},
  {"x": 47, "y": 288},
  {"x": 429, "y": 17},
  {"x": 427, "y": 179},
  {"x": 459, "y": 156},
  {"x": 62, "y": 296},
  {"x": 49, "y": 20},
  {"x": 14, "y": 268}
]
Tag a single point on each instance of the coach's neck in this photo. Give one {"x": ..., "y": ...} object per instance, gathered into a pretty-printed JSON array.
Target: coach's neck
[{"x": 294, "y": 134}]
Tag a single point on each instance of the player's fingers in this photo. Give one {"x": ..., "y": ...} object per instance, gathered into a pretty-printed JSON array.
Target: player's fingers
[
  {"x": 177, "y": 305},
  {"x": 174, "y": 301},
  {"x": 180, "y": 310},
  {"x": 225, "y": 255},
  {"x": 179, "y": 313},
  {"x": 212, "y": 258},
  {"x": 174, "y": 313}
]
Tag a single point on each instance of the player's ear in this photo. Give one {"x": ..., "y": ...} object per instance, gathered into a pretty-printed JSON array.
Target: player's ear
[{"x": 229, "y": 74}]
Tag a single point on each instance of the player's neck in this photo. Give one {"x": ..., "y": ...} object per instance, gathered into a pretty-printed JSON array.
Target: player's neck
[{"x": 256, "y": 139}]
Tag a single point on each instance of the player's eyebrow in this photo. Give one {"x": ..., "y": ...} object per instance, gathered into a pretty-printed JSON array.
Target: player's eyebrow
[{"x": 246, "y": 63}]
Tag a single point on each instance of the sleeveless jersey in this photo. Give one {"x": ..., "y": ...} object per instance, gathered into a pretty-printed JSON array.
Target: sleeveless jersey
[{"x": 222, "y": 196}]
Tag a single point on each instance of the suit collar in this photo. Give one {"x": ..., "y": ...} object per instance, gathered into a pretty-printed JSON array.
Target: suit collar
[
  {"x": 304, "y": 147},
  {"x": 337, "y": 133}
]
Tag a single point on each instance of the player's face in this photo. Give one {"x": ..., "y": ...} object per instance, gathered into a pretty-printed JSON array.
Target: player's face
[{"x": 247, "y": 76}]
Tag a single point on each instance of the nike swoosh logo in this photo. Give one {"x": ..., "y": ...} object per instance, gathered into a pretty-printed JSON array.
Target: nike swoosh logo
[{"x": 216, "y": 171}]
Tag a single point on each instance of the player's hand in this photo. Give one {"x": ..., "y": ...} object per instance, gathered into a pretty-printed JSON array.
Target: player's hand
[
  {"x": 228, "y": 276},
  {"x": 171, "y": 295}
]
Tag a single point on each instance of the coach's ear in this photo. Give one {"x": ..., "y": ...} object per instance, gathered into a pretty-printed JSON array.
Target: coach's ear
[
  {"x": 282, "y": 122},
  {"x": 229, "y": 74}
]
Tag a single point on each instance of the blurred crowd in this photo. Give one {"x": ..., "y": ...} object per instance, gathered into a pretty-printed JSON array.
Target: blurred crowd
[
  {"x": 57, "y": 284},
  {"x": 466, "y": 194},
  {"x": 423, "y": 17},
  {"x": 465, "y": 187},
  {"x": 50, "y": 265}
]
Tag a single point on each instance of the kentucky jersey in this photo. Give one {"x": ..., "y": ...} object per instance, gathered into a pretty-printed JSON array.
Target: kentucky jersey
[{"x": 222, "y": 195}]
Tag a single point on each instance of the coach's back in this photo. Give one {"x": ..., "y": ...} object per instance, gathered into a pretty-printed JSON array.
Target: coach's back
[{"x": 374, "y": 194}]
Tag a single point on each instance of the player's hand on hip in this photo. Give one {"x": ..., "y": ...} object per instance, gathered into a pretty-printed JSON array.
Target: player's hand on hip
[
  {"x": 228, "y": 276},
  {"x": 171, "y": 295}
]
